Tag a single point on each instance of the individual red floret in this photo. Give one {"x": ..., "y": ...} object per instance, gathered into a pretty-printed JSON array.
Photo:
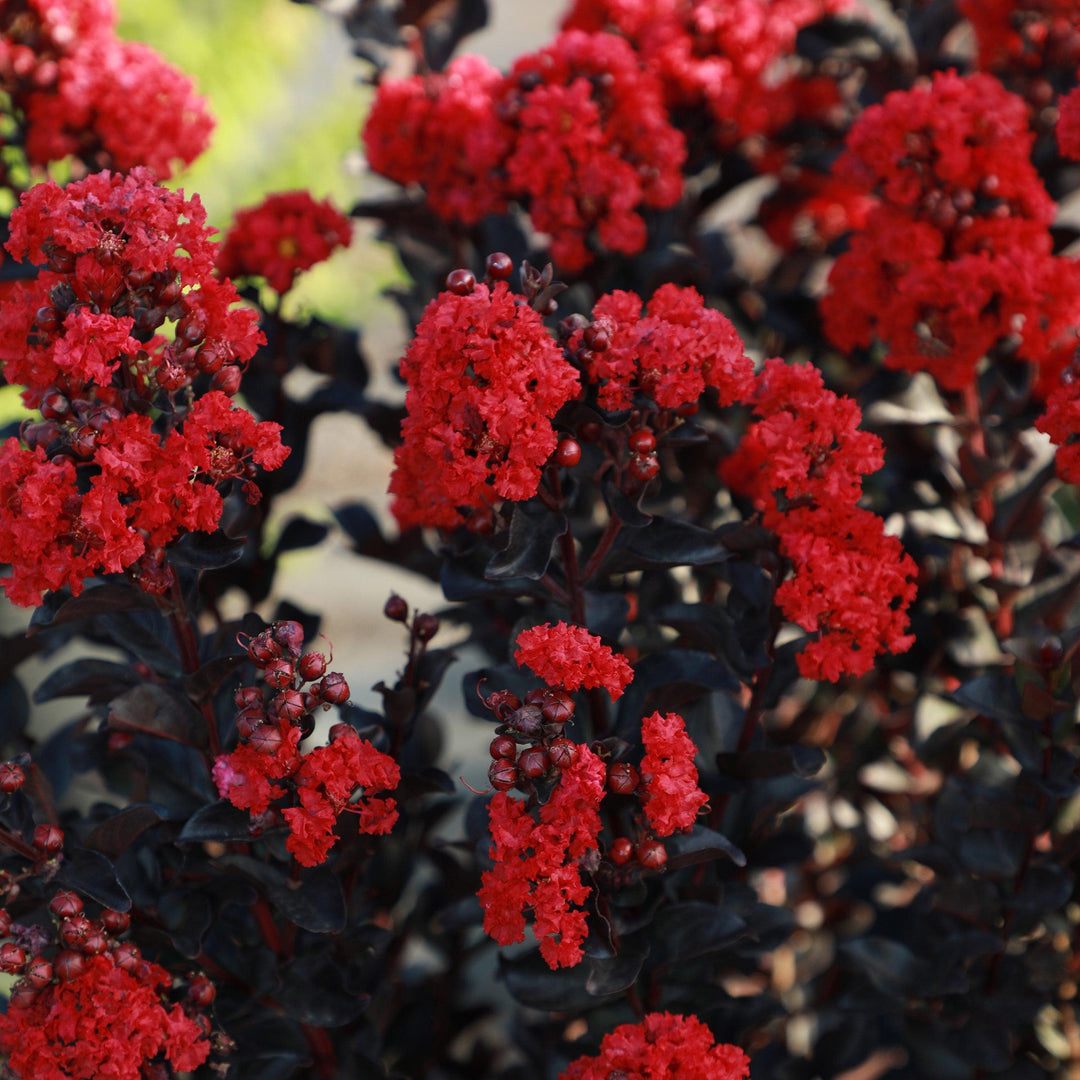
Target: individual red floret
[
  {"x": 662, "y": 1045},
  {"x": 669, "y": 776},
  {"x": 570, "y": 657},
  {"x": 286, "y": 233},
  {"x": 485, "y": 380}
]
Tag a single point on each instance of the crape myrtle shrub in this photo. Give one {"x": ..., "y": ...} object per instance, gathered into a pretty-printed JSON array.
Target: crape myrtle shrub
[{"x": 738, "y": 425}]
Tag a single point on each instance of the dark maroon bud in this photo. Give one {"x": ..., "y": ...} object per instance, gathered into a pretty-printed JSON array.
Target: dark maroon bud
[
  {"x": 23, "y": 995},
  {"x": 70, "y": 965},
  {"x": 569, "y": 326},
  {"x": 527, "y": 720},
  {"x": 622, "y": 851},
  {"x": 227, "y": 380},
  {"x": 48, "y": 839},
  {"x": 536, "y": 696},
  {"x": 115, "y": 922},
  {"x": 39, "y": 972},
  {"x": 202, "y": 992},
  {"x": 651, "y": 854},
  {"x": 290, "y": 705},
  {"x": 643, "y": 441},
  {"x": 502, "y": 703},
  {"x": 333, "y": 689},
  {"x": 101, "y": 419},
  {"x": 247, "y": 720},
  {"x": 503, "y": 748},
  {"x": 644, "y": 467},
  {"x": 534, "y": 762},
  {"x": 426, "y": 627},
  {"x": 66, "y": 905},
  {"x": 461, "y": 282},
  {"x": 563, "y": 753},
  {"x": 95, "y": 943},
  {"x": 48, "y": 319},
  {"x": 138, "y": 276},
  {"x": 396, "y": 608},
  {"x": 35, "y": 435},
  {"x": 311, "y": 701},
  {"x": 54, "y": 405},
  {"x": 499, "y": 266},
  {"x": 12, "y": 958},
  {"x": 84, "y": 441},
  {"x": 191, "y": 327},
  {"x": 5, "y": 923},
  {"x": 290, "y": 636},
  {"x": 557, "y": 707},
  {"x": 126, "y": 956},
  {"x": 567, "y": 453},
  {"x": 690, "y": 408},
  {"x": 263, "y": 648},
  {"x": 590, "y": 431},
  {"x": 11, "y": 777},
  {"x": 622, "y": 778},
  {"x": 279, "y": 674},
  {"x": 502, "y": 774},
  {"x": 312, "y": 666},
  {"x": 596, "y": 337},
  {"x": 74, "y": 930},
  {"x": 209, "y": 359},
  {"x": 61, "y": 261},
  {"x": 266, "y": 739},
  {"x": 340, "y": 730},
  {"x": 246, "y": 696}
]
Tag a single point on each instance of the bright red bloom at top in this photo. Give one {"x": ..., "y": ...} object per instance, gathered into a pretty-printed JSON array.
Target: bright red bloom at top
[
  {"x": 1025, "y": 38},
  {"x": 286, "y": 233},
  {"x": 671, "y": 355},
  {"x": 662, "y": 1045},
  {"x": 669, "y": 776},
  {"x": 485, "y": 380},
  {"x": 570, "y": 657},
  {"x": 106, "y": 1021}
]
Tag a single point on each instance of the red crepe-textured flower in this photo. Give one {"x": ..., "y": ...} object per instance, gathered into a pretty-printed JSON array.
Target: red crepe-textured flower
[
  {"x": 811, "y": 210},
  {"x": 669, "y": 776},
  {"x": 536, "y": 862},
  {"x": 672, "y": 354},
  {"x": 77, "y": 89},
  {"x": 592, "y": 144},
  {"x": 662, "y": 1045},
  {"x": 485, "y": 380},
  {"x": 1026, "y": 41},
  {"x": 246, "y": 776},
  {"x": 443, "y": 130},
  {"x": 570, "y": 657},
  {"x": 1061, "y": 422},
  {"x": 735, "y": 57},
  {"x": 286, "y": 233},
  {"x": 958, "y": 257},
  {"x": 1068, "y": 125},
  {"x": 105, "y": 1021}
]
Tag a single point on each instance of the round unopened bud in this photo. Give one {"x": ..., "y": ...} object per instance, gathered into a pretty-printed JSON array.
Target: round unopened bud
[
  {"x": 66, "y": 905},
  {"x": 499, "y": 266},
  {"x": 247, "y": 695},
  {"x": 290, "y": 636},
  {"x": 266, "y": 739},
  {"x": 202, "y": 992},
  {"x": 503, "y": 748},
  {"x": 557, "y": 707},
  {"x": 502, "y": 703},
  {"x": 247, "y": 720},
  {"x": 502, "y": 775},
  {"x": 644, "y": 467},
  {"x": 426, "y": 627},
  {"x": 340, "y": 730},
  {"x": 263, "y": 648},
  {"x": 126, "y": 956},
  {"x": 95, "y": 943},
  {"x": 289, "y": 705},
  {"x": 39, "y": 972},
  {"x": 333, "y": 688},
  {"x": 622, "y": 851},
  {"x": 534, "y": 762},
  {"x": 396, "y": 608},
  {"x": 23, "y": 995},
  {"x": 227, "y": 380},
  {"x": 115, "y": 922},
  {"x": 622, "y": 778},
  {"x": 312, "y": 666},
  {"x": 48, "y": 839},
  {"x": 55, "y": 405},
  {"x": 528, "y": 720},
  {"x": 70, "y": 965},
  {"x": 563, "y": 753},
  {"x": 12, "y": 958},
  {"x": 279, "y": 674},
  {"x": 651, "y": 854},
  {"x": 461, "y": 282},
  {"x": 567, "y": 453},
  {"x": 73, "y": 931},
  {"x": 689, "y": 408},
  {"x": 11, "y": 777},
  {"x": 5, "y": 923},
  {"x": 643, "y": 441},
  {"x": 597, "y": 337}
]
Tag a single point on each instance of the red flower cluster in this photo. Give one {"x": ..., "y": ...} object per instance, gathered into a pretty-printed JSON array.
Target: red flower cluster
[
  {"x": 75, "y": 88},
  {"x": 570, "y": 657},
  {"x": 485, "y": 379},
  {"x": 271, "y": 729},
  {"x": 671, "y": 355},
  {"x": 536, "y": 862},
  {"x": 736, "y": 58},
  {"x": 576, "y": 132},
  {"x": 957, "y": 259},
  {"x": 1068, "y": 125},
  {"x": 96, "y": 1008},
  {"x": 662, "y": 1045},
  {"x": 284, "y": 234},
  {"x": 669, "y": 777},
  {"x": 803, "y": 464}
]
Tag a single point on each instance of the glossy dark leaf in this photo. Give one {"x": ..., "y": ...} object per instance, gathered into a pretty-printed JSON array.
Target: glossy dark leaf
[
  {"x": 621, "y": 506},
  {"x": 186, "y": 914},
  {"x": 220, "y": 821},
  {"x": 156, "y": 710},
  {"x": 207, "y": 551},
  {"x": 533, "y": 983},
  {"x": 666, "y": 542},
  {"x": 100, "y": 680},
  {"x": 701, "y": 845},
  {"x": 300, "y": 533},
  {"x": 61, "y": 607},
  {"x": 314, "y": 901},
  {"x": 204, "y": 683},
  {"x": 615, "y": 974},
  {"x": 117, "y": 833},
  {"x": 685, "y": 931},
  {"x": 528, "y": 548},
  {"x": 93, "y": 875}
]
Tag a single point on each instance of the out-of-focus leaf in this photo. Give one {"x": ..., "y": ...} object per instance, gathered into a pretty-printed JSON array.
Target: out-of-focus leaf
[
  {"x": 100, "y": 680},
  {"x": 220, "y": 821},
  {"x": 156, "y": 710},
  {"x": 93, "y": 875},
  {"x": 117, "y": 833},
  {"x": 61, "y": 608}
]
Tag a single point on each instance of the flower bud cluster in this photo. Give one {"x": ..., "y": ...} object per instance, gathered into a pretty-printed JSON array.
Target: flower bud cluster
[
  {"x": 537, "y": 723},
  {"x": 81, "y": 975}
]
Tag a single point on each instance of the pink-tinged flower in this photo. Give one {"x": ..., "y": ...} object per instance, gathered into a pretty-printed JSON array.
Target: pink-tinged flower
[
  {"x": 286, "y": 233},
  {"x": 570, "y": 657},
  {"x": 536, "y": 862},
  {"x": 662, "y": 1045},
  {"x": 669, "y": 776},
  {"x": 485, "y": 380}
]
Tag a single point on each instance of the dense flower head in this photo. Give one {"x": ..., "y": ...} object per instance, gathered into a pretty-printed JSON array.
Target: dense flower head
[
  {"x": 286, "y": 233},
  {"x": 443, "y": 130},
  {"x": 536, "y": 862},
  {"x": 734, "y": 57},
  {"x": 107, "y": 1020},
  {"x": 78, "y": 90},
  {"x": 669, "y": 776},
  {"x": 1061, "y": 422},
  {"x": 803, "y": 462},
  {"x": 570, "y": 657},
  {"x": 671, "y": 354},
  {"x": 1017, "y": 38},
  {"x": 957, "y": 259},
  {"x": 485, "y": 380},
  {"x": 662, "y": 1045},
  {"x": 592, "y": 144}
]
